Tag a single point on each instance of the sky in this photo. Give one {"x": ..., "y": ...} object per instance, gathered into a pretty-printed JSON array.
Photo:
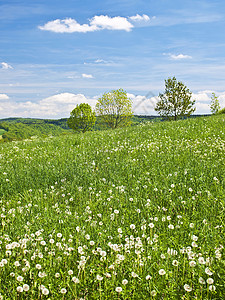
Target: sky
[{"x": 56, "y": 54}]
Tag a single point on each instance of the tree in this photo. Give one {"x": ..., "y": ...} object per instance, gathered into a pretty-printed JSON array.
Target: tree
[
  {"x": 214, "y": 105},
  {"x": 115, "y": 108},
  {"x": 82, "y": 118},
  {"x": 176, "y": 101}
]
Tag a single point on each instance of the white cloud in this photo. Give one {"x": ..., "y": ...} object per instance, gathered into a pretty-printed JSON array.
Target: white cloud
[
  {"x": 139, "y": 18},
  {"x": 4, "y": 97},
  {"x": 60, "y": 105},
  {"x": 56, "y": 106},
  {"x": 179, "y": 56},
  {"x": 115, "y": 23},
  {"x": 143, "y": 105},
  {"x": 67, "y": 25},
  {"x": 101, "y": 22},
  {"x": 201, "y": 97},
  {"x": 87, "y": 76},
  {"x": 6, "y": 66}
]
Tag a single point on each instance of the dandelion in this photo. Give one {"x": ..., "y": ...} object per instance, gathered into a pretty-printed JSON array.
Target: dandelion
[
  {"x": 19, "y": 289},
  {"x": 38, "y": 266},
  {"x": 201, "y": 280},
  {"x": 192, "y": 263},
  {"x": 75, "y": 280},
  {"x": 133, "y": 274},
  {"x": 98, "y": 277},
  {"x": 119, "y": 289},
  {"x": 208, "y": 272},
  {"x": 175, "y": 262},
  {"x": 45, "y": 291},
  {"x": 26, "y": 287},
  {"x": 170, "y": 226},
  {"x": 187, "y": 288},
  {"x": 19, "y": 278},
  {"x": 210, "y": 281},
  {"x": 162, "y": 272}
]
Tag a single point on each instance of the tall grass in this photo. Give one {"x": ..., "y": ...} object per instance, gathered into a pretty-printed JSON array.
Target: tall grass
[{"x": 135, "y": 213}]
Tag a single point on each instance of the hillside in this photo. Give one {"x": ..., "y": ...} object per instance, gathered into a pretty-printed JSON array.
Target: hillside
[{"x": 134, "y": 213}]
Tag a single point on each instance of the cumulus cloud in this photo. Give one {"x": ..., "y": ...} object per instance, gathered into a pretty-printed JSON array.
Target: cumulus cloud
[
  {"x": 4, "y": 97},
  {"x": 6, "y": 66},
  {"x": 56, "y": 106},
  {"x": 87, "y": 76},
  {"x": 139, "y": 18},
  {"x": 60, "y": 105},
  {"x": 101, "y": 22},
  {"x": 179, "y": 56},
  {"x": 143, "y": 105}
]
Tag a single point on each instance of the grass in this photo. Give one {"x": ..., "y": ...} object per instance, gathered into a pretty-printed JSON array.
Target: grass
[{"x": 134, "y": 213}]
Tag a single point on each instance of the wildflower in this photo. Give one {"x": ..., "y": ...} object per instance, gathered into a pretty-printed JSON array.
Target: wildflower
[
  {"x": 75, "y": 280},
  {"x": 208, "y": 272},
  {"x": 63, "y": 291},
  {"x": 162, "y": 272},
  {"x": 26, "y": 287},
  {"x": 19, "y": 278},
  {"x": 57, "y": 275},
  {"x": 187, "y": 288},
  {"x": 151, "y": 225},
  {"x": 170, "y": 226},
  {"x": 210, "y": 280},
  {"x": 45, "y": 291},
  {"x": 38, "y": 266},
  {"x": 201, "y": 280},
  {"x": 125, "y": 281},
  {"x": 153, "y": 293},
  {"x": 59, "y": 235},
  {"x": 19, "y": 289},
  {"x": 119, "y": 289},
  {"x": 98, "y": 277},
  {"x": 70, "y": 272},
  {"x": 132, "y": 226},
  {"x": 175, "y": 262},
  {"x": 148, "y": 277},
  {"x": 212, "y": 288},
  {"x": 133, "y": 274},
  {"x": 192, "y": 263}
]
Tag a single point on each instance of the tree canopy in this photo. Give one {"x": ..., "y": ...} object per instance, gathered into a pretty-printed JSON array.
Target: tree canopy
[
  {"x": 82, "y": 118},
  {"x": 176, "y": 101},
  {"x": 115, "y": 108}
]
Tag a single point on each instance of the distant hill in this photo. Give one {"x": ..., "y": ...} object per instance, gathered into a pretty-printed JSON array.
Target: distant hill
[{"x": 24, "y": 128}]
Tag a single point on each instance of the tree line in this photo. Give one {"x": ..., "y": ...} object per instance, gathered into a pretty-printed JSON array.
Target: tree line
[{"x": 115, "y": 108}]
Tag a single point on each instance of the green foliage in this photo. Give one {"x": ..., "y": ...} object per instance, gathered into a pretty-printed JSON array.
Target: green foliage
[
  {"x": 222, "y": 111},
  {"x": 115, "y": 109},
  {"x": 16, "y": 130},
  {"x": 141, "y": 209},
  {"x": 214, "y": 105},
  {"x": 82, "y": 118},
  {"x": 176, "y": 101}
]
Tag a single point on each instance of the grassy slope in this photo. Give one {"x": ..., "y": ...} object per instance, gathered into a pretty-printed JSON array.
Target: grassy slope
[{"x": 169, "y": 169}]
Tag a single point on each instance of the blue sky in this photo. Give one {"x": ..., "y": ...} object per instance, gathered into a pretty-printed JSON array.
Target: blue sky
[{"x": 56, "y": 54}]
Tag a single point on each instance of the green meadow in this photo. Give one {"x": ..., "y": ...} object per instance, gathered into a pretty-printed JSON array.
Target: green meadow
[{"x": 132, "y": 213}]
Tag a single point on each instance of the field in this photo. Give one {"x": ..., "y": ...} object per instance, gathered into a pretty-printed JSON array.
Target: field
[{"x": 134, "y": 213}]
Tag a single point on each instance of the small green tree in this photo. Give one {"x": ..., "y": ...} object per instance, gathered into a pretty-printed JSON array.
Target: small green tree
[
  {"x": 214, "y": 105},
  {"x": 82, "y": 118},
  {"x": 115, "y": 108},
  {"x": 176, "y": 101}
]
